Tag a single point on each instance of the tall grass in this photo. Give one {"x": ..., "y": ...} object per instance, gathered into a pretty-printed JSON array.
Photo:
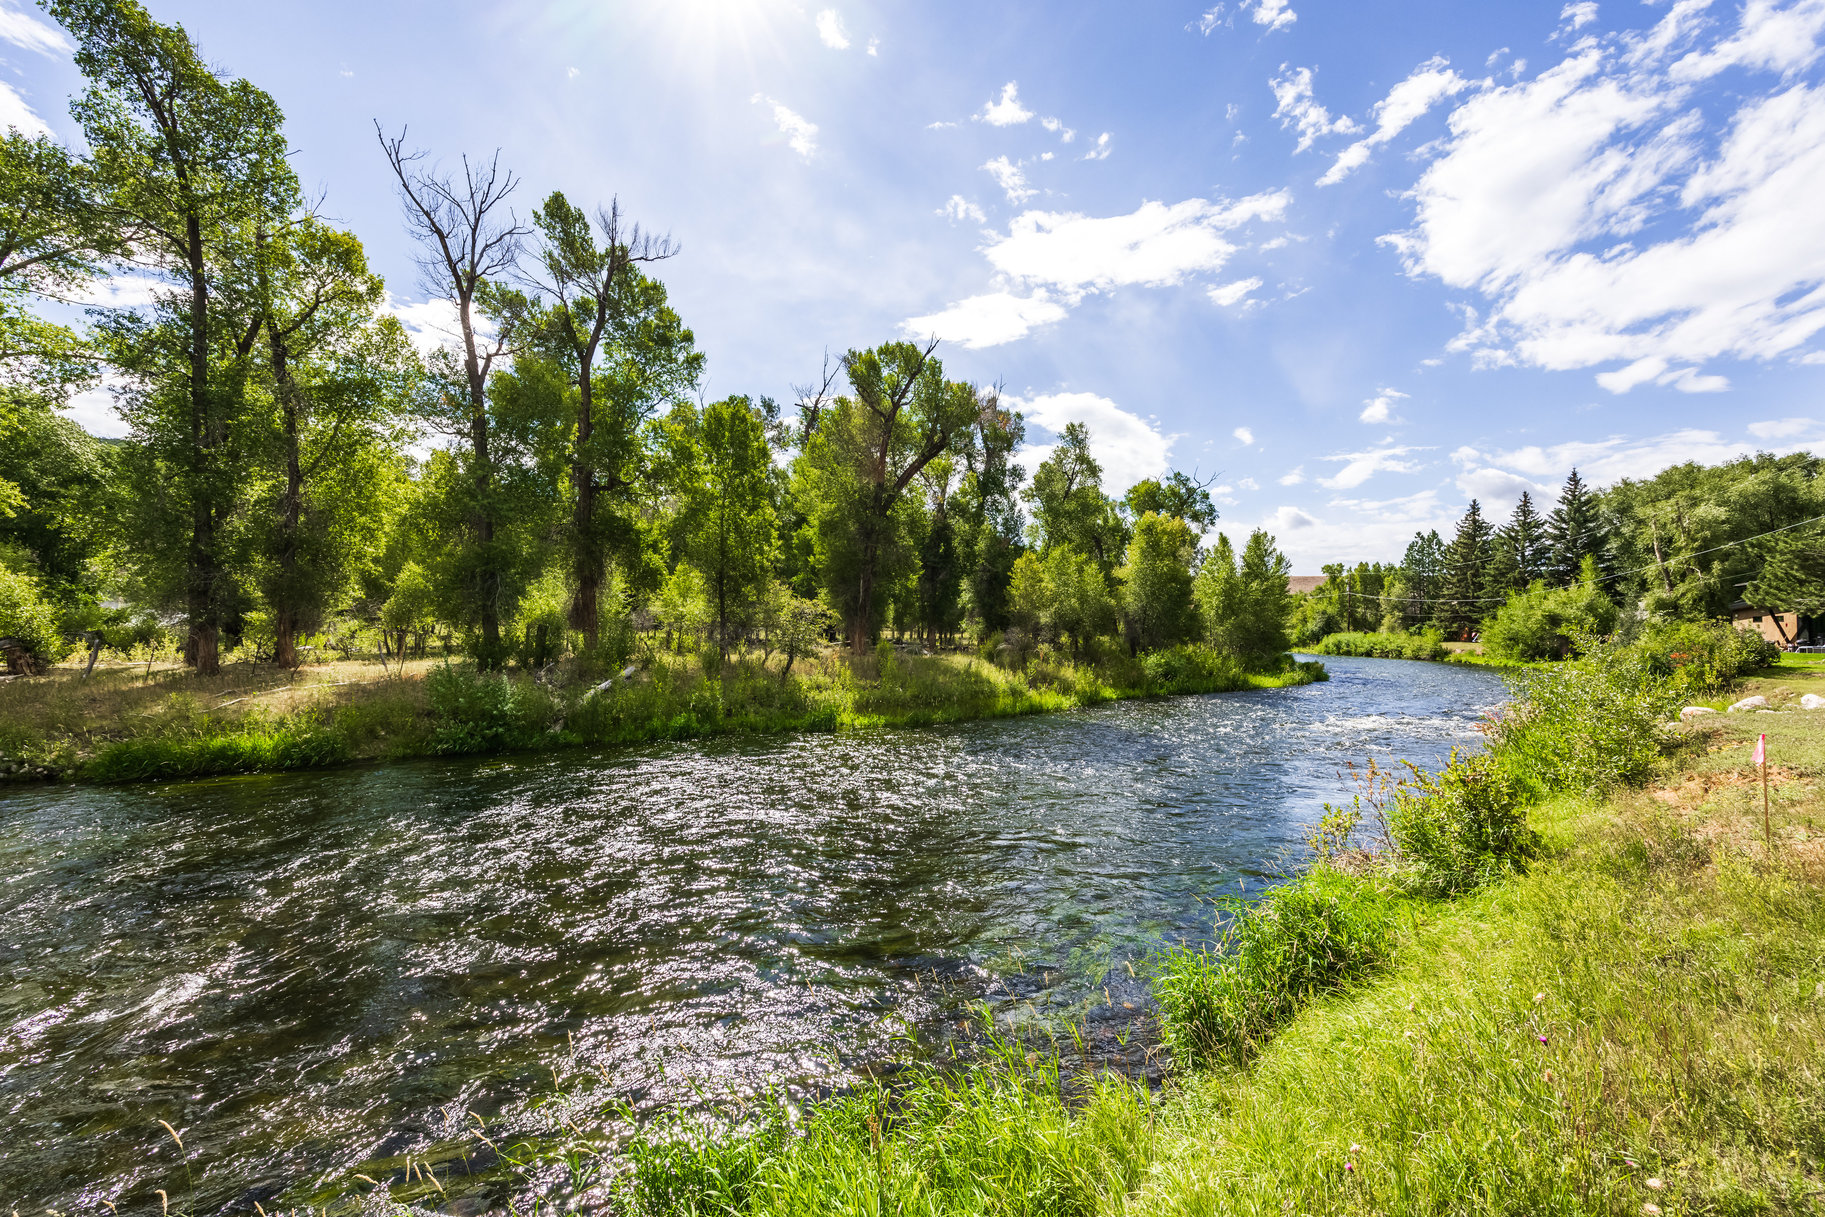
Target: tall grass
[{"x": 1429, "y": 644}]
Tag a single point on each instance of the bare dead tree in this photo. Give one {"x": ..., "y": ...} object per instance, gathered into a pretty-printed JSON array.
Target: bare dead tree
[
  {"x": 812, "y": 400},
  {"x": 466, "y": 237}
]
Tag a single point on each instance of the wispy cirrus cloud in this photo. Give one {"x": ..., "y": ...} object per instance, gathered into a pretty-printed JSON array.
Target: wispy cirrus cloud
[{"x": 799, "y": 132}]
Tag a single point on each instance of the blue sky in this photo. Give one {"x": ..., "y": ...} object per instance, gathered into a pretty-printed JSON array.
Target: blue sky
[{"x": 1359, "y": 261}]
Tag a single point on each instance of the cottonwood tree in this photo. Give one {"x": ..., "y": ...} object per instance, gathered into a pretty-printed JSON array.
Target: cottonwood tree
[
  {"x": 865, "y": 452},
  {"x": 729, "y": 522},
  {"x": 468, "y": 241},
  {"x": 599, "y": 299},
  {"x": 1156, "y": 582},
  {"x": 192, "y": 162},
  {"x": 340, "y": 374},
  {"x": 1180, "y": 495},
  {"x": 1069, "y": 505}
]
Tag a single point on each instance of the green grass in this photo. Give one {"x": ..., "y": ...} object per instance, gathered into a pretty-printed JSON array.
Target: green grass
[{"x": 127, "y": 725}]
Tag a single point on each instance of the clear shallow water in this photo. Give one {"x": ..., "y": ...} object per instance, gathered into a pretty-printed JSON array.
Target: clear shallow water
[{"x": 306, "y": 971}]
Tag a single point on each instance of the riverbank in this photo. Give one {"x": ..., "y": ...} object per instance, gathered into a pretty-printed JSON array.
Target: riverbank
[
  {"x": 130, "y": 723},
  {"x": 1615, "y": 1011}
]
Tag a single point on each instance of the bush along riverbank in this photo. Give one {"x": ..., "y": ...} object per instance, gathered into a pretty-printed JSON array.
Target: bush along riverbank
[
  {"x": 1569, "y": 974},
  {"x": 122, "y": 725}
]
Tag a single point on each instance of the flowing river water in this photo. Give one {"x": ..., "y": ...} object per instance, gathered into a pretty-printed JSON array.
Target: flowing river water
[{"x": 305, "y": 972}]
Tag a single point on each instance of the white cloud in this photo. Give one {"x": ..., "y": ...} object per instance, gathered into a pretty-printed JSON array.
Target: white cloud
[
  {"x": 26, "y": 31},
  {"x": 1380, "y": 408},
  {"x": 1244, "y": 435},
  {"x": 1359, "y": 467},
  {"x": 570, "y": 73},
  {"x": 1274, "y": 14},
  {"x": 1057, "y": 126},
  {"x": 1429, "y": 84},
  {"x": 1249, "y": 484},
  {"x": 93, "y": 409},
  {"x": 960, "y": 208},
  {"x": 1541, "y": 197},
  {"x": 1127, "y": 446},
  {"x": 1006, "y": 112},
  {"x": 433, "y": 323},
  {"x": 14, "y": 112},
  {"x": 987, "y": 320},
  {"x": 1579, "y": 14},
  {"x": 1228, "y": 294},
  {"x": 1208, "y": 20},
  {"x": 800, "y": 133},
  {"x": 1100, "y": 150},
  {"x": 1293, "y": 476},
  {"x": 1785, "y": 428},
  {"x": 1156, "y": 245},
  {"x": 1297, "y": 109},
  {"x": 1011, "y": 178},
  {"x": 119, "y": 291},
  {"x": 1288, "y": 519},
  {"x": 874, "y": 47},
  {"x": 830, "y": 30}
]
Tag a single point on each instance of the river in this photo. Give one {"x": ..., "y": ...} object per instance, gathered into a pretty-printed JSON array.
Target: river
[{"x": 303, "y": 972}]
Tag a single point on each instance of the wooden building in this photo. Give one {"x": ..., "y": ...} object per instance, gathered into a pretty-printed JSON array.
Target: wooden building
[{"x": 1782, "y": 628}]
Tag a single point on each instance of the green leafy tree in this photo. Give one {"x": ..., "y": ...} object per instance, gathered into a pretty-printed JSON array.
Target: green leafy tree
[
  {"x": 730, "y": 527},
  {"x": 1069, "y": 506},
  {"x": 1079, "y": 603},
  {"x": 854, "y": 472},
  {"x": 938, "y": 588},
  {"x": 986, "y": 514},
  {"x": 1179, "y": 495},
  {"x": 412, "y": 606},
  {"x": 1545, "y": 623},
  {"x": 1791, "y": 578},
  {"x": 1029, "y": 595},
  {"x": 1424, "y": 569},
  {"x": 605, "y": 314},
  {"x": 1217, "y": 590},
  {"x": 193, "y": 165},
  {"x": 1156, "y": 582},
  {"x": 1245, "y": 607}
]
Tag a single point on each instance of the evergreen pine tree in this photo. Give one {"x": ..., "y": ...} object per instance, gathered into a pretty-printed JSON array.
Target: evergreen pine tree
[
  {"x": 1466, "y": 582},
  {"x": 1423, "y": 569},
  {"x": 1572, "y": 532},
  {"x": 1525, "y": 533}
]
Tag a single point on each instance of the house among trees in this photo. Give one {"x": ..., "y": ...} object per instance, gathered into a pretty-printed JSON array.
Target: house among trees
[{"x": 1784, "y": 628}]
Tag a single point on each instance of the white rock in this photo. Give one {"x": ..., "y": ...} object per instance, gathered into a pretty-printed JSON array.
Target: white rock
[
  {"x": 1812, "y": 701},
  {"x": 1692, "y": 712},
  {"x": 1757, "y": 702}
]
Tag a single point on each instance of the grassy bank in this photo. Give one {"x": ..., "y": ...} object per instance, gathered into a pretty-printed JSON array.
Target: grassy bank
[
  {"x": 1570, "y": 976},
  {"x": 128, "y": 723}
]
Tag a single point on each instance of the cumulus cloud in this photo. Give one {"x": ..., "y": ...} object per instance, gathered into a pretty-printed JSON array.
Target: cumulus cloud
[
  {"x": 1430, "y": 83},
  {"x": 1380, "y": 408},
  {"x": 1006, "y": 112},
  {"x": 1293, "y": 476},
  {"x": 800, "y": 133},
  {"x": 960, "y": 208},
  {"x": 1298, "y": 110},
  {"x": 1604, "y": 461},
  {"x": 1249, "y": 484},
  {"x": 1011, "y": 178},
  {"x": 1578, "y": 15},
  {"x": 94, "y": 410},
  {"x": 26, "y": 31},
  {"x": 1229, "y": 294},
  {"x": 1100, "y": 150},
  {"x": 1058, "y": 128},
  {"x": 1610, "y": 223},
  {"x": 1244, "y": 435},
  {"x": 830, "y": 30},
  {"x": 1156, "y": 245},
  {"x": 1274, "y": 14},
  {"x": 1289, "y": 519},
  {"x": 1359, "y": 467},
  {"x": 14, "y": 112},
  {"x": 987, "y": 320},
  {"x": 1785, "y": 428},
  {"x": 120, "y": 291},
  {"x": 1127, "y": 446}
]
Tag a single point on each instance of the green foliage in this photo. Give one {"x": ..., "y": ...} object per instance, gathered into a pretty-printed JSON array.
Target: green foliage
[
  {"x": 482, "y": 712},
  {"x": 1156, "y": 582},
  {"x": 1317, "y": 935},
  {"x": 1589, "y": 724},
  {"x": 1069, "y": 506},
  {"x": 1704, "y": 658},
  {"x": 27, "y": 616},
  {"x": 1427, "y": 644},
  {"x": 1245, "y": 609},
  {"x": 1460, "y": 828},
  {"x": 1544, "y": 623}
]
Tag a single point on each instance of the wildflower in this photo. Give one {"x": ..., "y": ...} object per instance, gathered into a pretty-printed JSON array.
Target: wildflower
[
  {"x": 1549, "y": 1075},
  {"x": 1542, "y": 1039},
  {"x": 1654, "y": 1185},
  {"x": 1350, "y": 1167},
  {"x": 1652, "y": 1210},
  {"x": 1538, "y": 998},
  {"x": 1355, "y": 1148}
]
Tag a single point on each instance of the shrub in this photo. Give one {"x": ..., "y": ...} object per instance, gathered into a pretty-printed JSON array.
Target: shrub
[
  {"x": 1317, "y": 935},
  {"x": 474, "y": 712},
  {"x": 1460, "y": 828},
  {"x": 1429, "y": 644},
  {"x": 1543, "y": 623},
  {"x": 27, "y": 616},
  {"x": 1704, "y": 657},
  {"x": 1589, "y": 724}
]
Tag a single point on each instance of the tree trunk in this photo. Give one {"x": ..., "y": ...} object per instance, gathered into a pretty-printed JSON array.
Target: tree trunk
[
  {"x": 585, "y": 609},
  {"x": 483, "y": 523},
  {"x": 201, "y": 647},
  {"x": 291, "y": 510}
]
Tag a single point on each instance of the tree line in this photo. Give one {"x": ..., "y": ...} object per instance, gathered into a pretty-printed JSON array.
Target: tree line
[{"x": 549, "y": 477}]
